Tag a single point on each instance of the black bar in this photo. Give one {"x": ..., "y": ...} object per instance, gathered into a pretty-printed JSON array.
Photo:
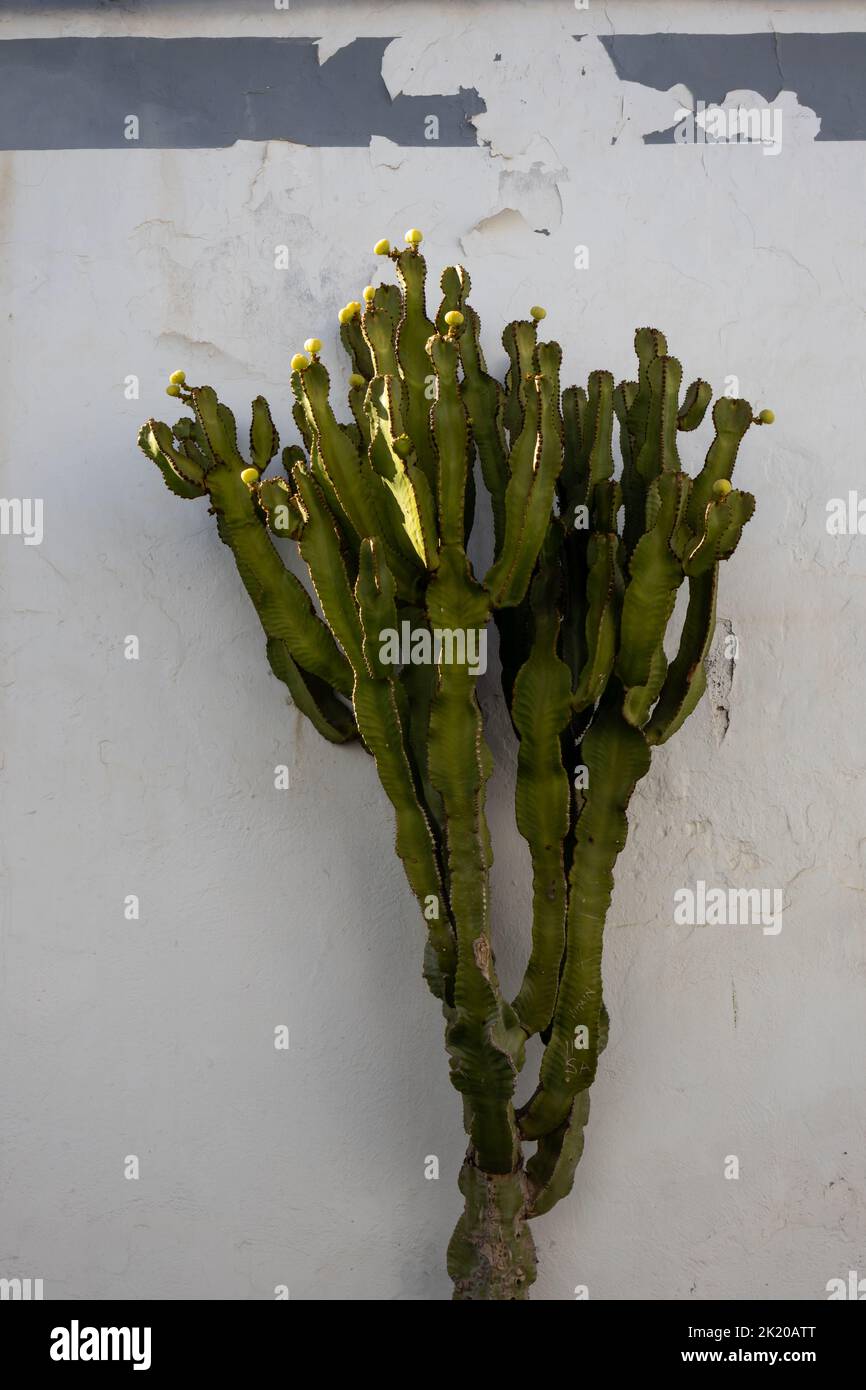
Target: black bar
[{"x": 222, "y": 1337}]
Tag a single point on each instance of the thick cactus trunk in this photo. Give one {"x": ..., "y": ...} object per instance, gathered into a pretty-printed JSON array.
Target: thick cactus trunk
[{"x": 491, "y": 1256}]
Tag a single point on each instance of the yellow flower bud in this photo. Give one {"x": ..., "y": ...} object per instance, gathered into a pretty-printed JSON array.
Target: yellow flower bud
[
  {"x": 369, "y": 291},
  {"x": 721, "y": 487},
  {"x": 356, "y": 380},
  {"x": 346, "y": 313},
  {"x": 250, "y": 476},
  {"x": 537, "y": 312},
  {"x": 382, "y": 248},
  {"x": 313, "y": 345},
  {"x": 402, "y": 446},
  {"x": 172, "y": 390},
  {"x": 454, "y": 318},
  {"x": 299, "y": 362},
  {"x": 354, "y": 306},
  {"x": 177, "y": 378},
  {"x": 414, "y": 237},
  {"x": 766, "y": 417}
]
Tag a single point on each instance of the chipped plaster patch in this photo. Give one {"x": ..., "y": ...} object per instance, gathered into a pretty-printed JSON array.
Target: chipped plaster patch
[{"x": 500, "y": 234}]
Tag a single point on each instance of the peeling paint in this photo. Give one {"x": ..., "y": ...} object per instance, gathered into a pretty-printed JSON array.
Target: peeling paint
[
  {"x": 535, "y": 192},
  {"x": 503, "y": 233},
  {"x": 77, "y": 93},
  {"x": 826, "y": 71}
]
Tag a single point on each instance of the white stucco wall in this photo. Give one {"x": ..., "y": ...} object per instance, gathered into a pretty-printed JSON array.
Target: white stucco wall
[{"x": 258, "y": 908}]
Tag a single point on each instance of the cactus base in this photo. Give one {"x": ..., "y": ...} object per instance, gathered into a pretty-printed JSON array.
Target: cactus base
[{"x": 491, "y": 1256}]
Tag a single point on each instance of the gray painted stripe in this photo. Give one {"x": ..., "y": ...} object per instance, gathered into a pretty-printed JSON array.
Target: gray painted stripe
[
  {"x": 59, "y": 94},
  {"x": 206, "y": 93},
  {"x": 826, "y": 71}
]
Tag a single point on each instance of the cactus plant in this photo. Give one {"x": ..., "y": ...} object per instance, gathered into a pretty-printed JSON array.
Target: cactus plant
[{"x": 381, "y": 509}]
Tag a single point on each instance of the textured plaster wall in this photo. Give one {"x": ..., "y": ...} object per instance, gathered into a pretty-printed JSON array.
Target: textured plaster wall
[{"x": 260, "y": 907}]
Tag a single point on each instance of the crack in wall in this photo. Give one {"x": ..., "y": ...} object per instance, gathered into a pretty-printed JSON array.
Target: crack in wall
[{"x": 720, "y": 666}]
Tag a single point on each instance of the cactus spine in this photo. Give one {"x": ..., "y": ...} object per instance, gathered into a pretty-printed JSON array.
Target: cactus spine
[{"x": 381, "y": 509}]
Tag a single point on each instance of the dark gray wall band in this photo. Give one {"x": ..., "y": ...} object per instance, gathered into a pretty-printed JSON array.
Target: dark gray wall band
[
  {"x": 58, "y": 94},
  {"x": 206, "y": 93},
  {"x": 826, "y": 71}
]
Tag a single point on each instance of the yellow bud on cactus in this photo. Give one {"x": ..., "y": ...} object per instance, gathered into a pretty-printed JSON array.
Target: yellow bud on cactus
[
  {"x": 382, "y": 248},
  {"x": 250, "y": 476},
  {"x": 313, "y": 345},
  {"x": 172, "y": 390},
  {"x": 766, "y": 417},
  {"x": 177, "y": 378},
  {"x": 356, "y": 380},
  {"x": 454, "y": 318},
  {"x": 354, "y": 306},
  {"x": 346, "y": 313},
  {"x": 299, "y": 362},
  {"x": 369, "y": 291},
  {"x": 414, "y": 237},
  {"x": 721, "y": 487},
  {"x": 537, "y": 312}
]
